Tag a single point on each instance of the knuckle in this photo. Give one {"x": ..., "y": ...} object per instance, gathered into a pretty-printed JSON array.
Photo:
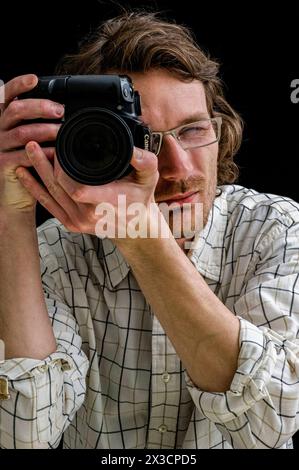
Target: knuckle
[
  {"x": 72, "y": 226},
  {"x": 43, "y": 106},
  {"x": 92, "y": 217},
  {"x": 47, "y": 132},
  {"x": 52, "y": 187},
  {"x": 53, "y": 130},
  {"x": 44, "y": 200},
  {"x": 83, "y": 227},
  {"x": 21, "y": 135},
  {"x": 78, "y": 194},
  {"x": 15, "y": 108}
]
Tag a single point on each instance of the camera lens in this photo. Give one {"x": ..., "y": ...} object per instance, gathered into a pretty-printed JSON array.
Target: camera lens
[{"x": 95, "y": 146}]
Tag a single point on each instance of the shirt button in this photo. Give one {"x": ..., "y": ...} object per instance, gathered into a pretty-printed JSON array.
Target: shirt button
[
  {"x": 165, "y": 377},
  {"x": 4, "y": 393},
  {"x": 162, "y": 428}
]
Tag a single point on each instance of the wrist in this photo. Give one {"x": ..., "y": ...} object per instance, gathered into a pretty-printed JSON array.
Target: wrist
[
  {"x": 154, "y": 232},
  {"x": 12, "y": 221}
]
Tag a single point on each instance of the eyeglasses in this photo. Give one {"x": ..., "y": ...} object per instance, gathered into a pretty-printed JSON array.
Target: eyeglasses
[{"x": 189, "y": 136}]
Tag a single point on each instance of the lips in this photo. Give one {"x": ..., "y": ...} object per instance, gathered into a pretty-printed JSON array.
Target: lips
[{"x": 182, "y": 198}]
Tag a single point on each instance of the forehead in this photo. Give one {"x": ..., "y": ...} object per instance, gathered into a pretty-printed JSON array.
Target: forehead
[{"x": 166, "y": 100}]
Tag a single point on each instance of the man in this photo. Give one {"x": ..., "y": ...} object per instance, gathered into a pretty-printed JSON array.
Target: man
[{"x": 139, "y": 342}]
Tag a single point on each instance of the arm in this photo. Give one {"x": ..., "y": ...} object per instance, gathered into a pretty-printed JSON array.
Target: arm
[
  {"x": 42, "y": 381},
  {"x": 21, "y": 296},
  {"x": 45, "y": 368},
  {"x": 25, "y": 327},
  {"x": 259, "y": 406},
  {"x": 44, "y": 395},
  {"x": 203, "y": 331}
]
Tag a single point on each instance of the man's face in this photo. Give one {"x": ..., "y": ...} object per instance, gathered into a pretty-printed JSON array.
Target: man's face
[{"x": 166, "y": 103}]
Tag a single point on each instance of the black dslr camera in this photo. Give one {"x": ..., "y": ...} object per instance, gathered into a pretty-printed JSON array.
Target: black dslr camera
[{"x": 100, "y": 126}]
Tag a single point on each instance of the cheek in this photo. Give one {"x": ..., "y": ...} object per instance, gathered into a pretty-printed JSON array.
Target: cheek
[
  {"x": 202, "y": 162},
  {"x": 205, "y": 160}
]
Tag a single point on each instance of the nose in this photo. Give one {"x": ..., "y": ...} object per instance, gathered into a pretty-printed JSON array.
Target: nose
[{"x": 174, "y": 162}]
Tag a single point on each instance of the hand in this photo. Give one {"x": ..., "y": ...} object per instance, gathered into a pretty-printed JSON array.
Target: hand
[
  {"x": 74, "y": 204},
  {"x": 15, "y": 134}
]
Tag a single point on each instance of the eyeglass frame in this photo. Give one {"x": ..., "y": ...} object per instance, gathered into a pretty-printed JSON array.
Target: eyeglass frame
[{"x": 173, "y": 132}]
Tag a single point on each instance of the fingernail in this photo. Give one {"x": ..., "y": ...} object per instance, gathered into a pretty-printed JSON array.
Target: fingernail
[
  {"x": 21, "y": 175},
  {"x": 138, "y": 154},
  {"x": 30, "y": 150},
  {"x": 30, "y": 80},
  {"x": 59, "y": 110}
]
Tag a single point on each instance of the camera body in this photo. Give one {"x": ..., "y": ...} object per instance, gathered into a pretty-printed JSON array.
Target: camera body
[{"x": 100, "y": 126}]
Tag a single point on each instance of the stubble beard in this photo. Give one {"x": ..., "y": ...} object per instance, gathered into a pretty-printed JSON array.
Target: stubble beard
[{"x": 197, "y": 214}]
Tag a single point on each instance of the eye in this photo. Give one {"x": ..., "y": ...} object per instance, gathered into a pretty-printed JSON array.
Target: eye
[{"x": 195, "y": 129}]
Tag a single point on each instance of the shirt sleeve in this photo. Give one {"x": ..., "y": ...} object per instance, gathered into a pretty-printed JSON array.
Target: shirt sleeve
[
  {"x": 39, "y": 398},
  {"x": 261, "y": 408}
]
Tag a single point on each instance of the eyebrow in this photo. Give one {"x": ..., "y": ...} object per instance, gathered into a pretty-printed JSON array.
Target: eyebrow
[{"x": 193, "y": 118}]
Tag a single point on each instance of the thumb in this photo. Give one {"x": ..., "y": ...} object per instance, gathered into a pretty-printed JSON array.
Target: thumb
[{"x": 145, "y": 164}]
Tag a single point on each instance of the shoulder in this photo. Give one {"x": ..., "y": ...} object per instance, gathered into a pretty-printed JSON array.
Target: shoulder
[{"x": 249, "y": 203}]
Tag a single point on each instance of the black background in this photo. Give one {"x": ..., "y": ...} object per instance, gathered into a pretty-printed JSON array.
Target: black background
[{"x": 258, "y": 49}]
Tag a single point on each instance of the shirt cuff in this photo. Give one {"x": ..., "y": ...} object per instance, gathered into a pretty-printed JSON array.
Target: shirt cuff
[
  {"x": 13, "y": 369},
  {"x": 256, "y": 362}
]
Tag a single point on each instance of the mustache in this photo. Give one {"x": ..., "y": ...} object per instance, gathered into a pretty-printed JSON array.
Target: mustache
[{"x": 179, "y": 187}]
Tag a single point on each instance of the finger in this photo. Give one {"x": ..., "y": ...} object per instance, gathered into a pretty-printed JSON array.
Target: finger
[
  {"x": 20, "y": 157},
  {"x": 19, "y": 110},
  {"x": 18, "y": 85},
  {"x": 49, "y": 153},
  {"x": 81, "y": 193},
  {"x": 41, "y": 195},
  {"x": 46, "y": 172},
  {"x": 145, "y": 164},
  {"x": 21, "y": 135}
]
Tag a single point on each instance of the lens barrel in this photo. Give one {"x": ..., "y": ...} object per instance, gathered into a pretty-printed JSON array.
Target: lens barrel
[{"x": 95, "y": 146}]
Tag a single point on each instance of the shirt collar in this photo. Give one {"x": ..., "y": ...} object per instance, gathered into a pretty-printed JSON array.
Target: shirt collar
[
  {"x": 115, "y": 265},
  {"x": 206, "y": 253}
]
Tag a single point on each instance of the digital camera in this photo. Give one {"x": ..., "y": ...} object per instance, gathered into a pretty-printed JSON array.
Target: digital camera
[{"x": 100, "y": 126}]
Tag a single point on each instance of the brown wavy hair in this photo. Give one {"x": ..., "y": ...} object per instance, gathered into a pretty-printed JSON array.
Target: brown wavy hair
[{"x": 139, "y": 41}]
